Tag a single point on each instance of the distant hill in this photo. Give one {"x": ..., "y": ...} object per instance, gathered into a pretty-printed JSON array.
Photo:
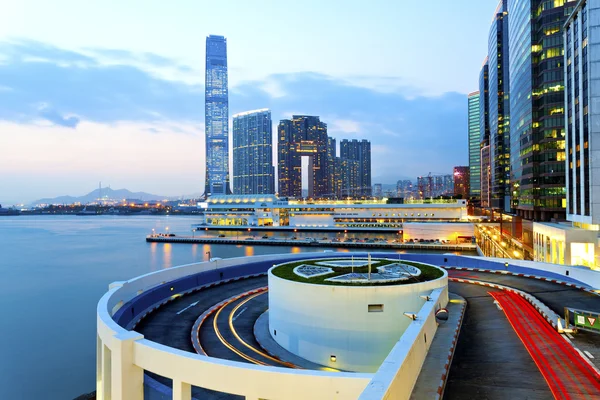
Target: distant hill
[{"x": 104, "y": 193}]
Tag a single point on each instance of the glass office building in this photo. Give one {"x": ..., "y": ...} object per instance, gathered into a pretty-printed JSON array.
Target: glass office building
[
  {"x": 484, "y": 128},
  {"x": 474, "y": 112},
  {"x": 253, "y": 171},
  {"x": 498, "y": 116},
  {"x": 216, "y": 117},
  {"x": 537, "y": 120}
]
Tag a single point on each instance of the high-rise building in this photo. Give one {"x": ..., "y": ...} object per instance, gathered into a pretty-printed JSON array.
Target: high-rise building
[
  {"x": 461, "y": 181},
  {"x": 378, "y": 190},
  {"x": 361, "y": 152},
  {"x": 348, "y": 177},
  {"x": 216, "y": 117},
  {"x": 331, "y": 165},
  {"x": 253, "y": 171},
  {"x": 537, "y": 120},
  {"x": 498, "y": 115},
  {"x": 583, "y": 120},
  {"x": 484, "y": 128},
  {"x": 303, "y": 136},
  {"x": 404, "y": 189},
  {"x": 474, "y": 132}
]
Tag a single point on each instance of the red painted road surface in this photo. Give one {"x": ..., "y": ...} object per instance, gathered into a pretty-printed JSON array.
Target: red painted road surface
[{"x": 568, "y": 375}]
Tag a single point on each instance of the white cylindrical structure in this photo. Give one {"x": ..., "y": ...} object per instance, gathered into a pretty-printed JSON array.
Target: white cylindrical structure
[{"x": 347, "y": 327}]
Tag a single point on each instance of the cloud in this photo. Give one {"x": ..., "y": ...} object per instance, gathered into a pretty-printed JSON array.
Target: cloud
[
  {"x": 344, "y": 126},
  {"x": 411, "y": 133}
]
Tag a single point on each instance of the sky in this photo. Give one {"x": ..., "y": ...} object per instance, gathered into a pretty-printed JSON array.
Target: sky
[{"x": 113, "y": 91}]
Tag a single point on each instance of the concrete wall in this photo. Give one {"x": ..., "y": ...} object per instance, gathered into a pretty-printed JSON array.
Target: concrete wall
[
  {"x": 433, "y": 230},
  {"x": 396, "y": 377},
  {"x": 318, "y": 321}
]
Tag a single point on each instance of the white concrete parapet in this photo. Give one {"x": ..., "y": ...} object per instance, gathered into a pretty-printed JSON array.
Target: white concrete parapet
[{"x": 123, "y": 356}]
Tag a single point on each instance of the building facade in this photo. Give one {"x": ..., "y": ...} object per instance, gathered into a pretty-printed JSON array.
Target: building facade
[
  {"x": 359, "y": 151},
  {"x": 582, "y": 93},
  {"x": 303, "y": 136},
  {"x": 461, "y": 182},
  {"x": 216, "y": 117},
  {"x": 474, "y": 128},
  {"x": 253, "y": 171},
  {"x": 498, "y": 116},
  {"x": 537, "y": 121},
  {"x": 484, "y": 128}
]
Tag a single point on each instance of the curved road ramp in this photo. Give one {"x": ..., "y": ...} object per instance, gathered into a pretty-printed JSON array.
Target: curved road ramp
[{"x": 145, "y": 325}]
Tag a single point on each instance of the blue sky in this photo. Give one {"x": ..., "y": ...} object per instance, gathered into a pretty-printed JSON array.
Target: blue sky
[{"x": 112, "y": 91}]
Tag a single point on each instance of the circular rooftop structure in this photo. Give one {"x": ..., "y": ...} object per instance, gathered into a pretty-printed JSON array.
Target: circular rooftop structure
[{"x": 347, "y": 313}]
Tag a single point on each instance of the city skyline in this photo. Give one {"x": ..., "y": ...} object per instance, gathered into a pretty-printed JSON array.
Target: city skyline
[{"x": 121, "y": 113}]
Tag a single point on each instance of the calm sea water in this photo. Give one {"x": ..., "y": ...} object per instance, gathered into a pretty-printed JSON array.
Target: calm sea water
[{"x": 53, "y": 271}]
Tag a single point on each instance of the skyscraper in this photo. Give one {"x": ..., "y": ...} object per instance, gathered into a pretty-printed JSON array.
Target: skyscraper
[
  {"x": 461, "y": 181},
  {"x": 359, "y": 151},
  {"x": 474, "y": 128},
  {"x": 331, "y": 156},
  {"x": 253, "y": 171},
  {"x": 484, "y": 128},
  {"x": 537, "y": 121},
  {"x": 583, "y": 121},
  {"x": 302, "y": 136},
  {"x": 498, "y": 117},
  {"x": 216, "y": 117}
]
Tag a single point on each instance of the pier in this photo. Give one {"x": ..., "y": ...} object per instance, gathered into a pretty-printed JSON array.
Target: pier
[{"x": 252, "y": 241}]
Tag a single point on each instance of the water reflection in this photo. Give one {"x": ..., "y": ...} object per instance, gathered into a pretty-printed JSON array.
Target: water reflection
[
  {"x": 249, "y": 251},
  {"x": 296, "y": 249},
  {"x": 167, "y": 249}
]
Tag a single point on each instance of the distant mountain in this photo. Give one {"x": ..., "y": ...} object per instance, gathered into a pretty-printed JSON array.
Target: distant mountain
[{"x": 105, "y": 193}]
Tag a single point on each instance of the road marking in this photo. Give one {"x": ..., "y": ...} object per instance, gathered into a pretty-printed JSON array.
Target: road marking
[
  {"x": 587, "y": 353},
  {"x": 240, "y": 313},
  {"x": 190, "y": 306},
  {"x": 569, "y": 335},
  {"x": 497, "y": 305},
  {"x": 567, "y": 339}
]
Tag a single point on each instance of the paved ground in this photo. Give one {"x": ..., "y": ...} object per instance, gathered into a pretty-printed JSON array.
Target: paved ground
[
  {"x": 490, "y": 361},
  {"x": 435, "y": 365}
]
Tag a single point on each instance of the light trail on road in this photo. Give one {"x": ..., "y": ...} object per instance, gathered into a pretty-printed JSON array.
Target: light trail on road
[{"x": 568, "y": 375}]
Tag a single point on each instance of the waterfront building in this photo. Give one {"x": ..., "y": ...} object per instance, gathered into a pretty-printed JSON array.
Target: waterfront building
[
  {"x": 253, "y": 171},
  {"x": 461, "y": 182},
  {"x": 216, "y": 117},
  {"x": 474, "y": 140},
  {"x": 297, "y": 137},
  {"x": 499, "y": 107},
  {"x": 537, "y": 120},
  {"x": 442, "y": 218},
  {"x": 361, "y": 152}
]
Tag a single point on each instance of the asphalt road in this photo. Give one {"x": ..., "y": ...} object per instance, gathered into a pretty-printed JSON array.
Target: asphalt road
[
  {"x": 167, "y": 327},
  {"x": 490, "y": 361}
]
